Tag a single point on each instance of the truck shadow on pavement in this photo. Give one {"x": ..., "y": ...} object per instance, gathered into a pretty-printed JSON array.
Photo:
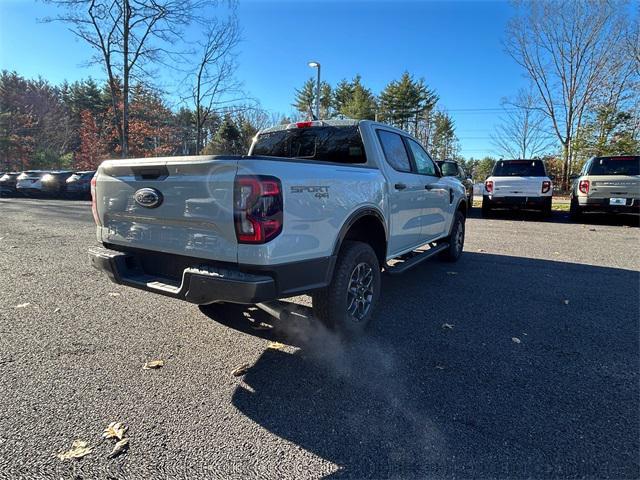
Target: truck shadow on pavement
[{"x": 492, "y": 367}]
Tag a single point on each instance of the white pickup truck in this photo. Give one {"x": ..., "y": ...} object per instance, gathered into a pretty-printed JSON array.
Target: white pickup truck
[{"x": 315, "y": 207}]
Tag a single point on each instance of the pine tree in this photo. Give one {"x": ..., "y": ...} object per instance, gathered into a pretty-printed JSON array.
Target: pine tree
[
  {"x": 227, "y": 140},
  {"x": 361, "y": 105}
]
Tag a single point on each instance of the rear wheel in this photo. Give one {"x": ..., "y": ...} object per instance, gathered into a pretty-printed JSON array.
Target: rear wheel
[
  {"x": 575, "y": 212},
  {"x": 486, "y": 207},
  {"x": 547, "y": 208},
  {"x": 348, "y": 303}
]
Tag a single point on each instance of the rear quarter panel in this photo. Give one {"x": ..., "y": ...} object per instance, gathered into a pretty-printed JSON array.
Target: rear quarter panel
[{"x": 318, "y": 198}]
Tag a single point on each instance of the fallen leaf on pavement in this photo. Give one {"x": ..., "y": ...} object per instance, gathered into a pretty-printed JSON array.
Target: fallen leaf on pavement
[
  {"x": 452, "y": 273},
  {"x": 565, "y": 301},
  {"x": 240, "y": 370},
  {"x": 79, "y": 448},
  {"x": 276, "y": 346},
  {"x": 114, "y": 294},
  {"x": 23, "y": 305},
  {"x": 447, "y": 326},
  {"x": 119, "y": 447},
  {"x": 56, "y": 310},
  {"x": 556, "y": 253},
  {"x": 115, "y": 430},
  {"x": 481, "y": 250},
  {"x": 592, "y": 230},
  {"x": 440, "y": 367},
  {"x": 153, "y": 364},
  {"x": 515, "y": 340}
]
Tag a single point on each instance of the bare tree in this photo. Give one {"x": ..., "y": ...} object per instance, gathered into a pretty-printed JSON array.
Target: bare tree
[
  {"x": 127, "y": 35},
  {"x": 521, "y": 132},
  {"x": 213, "y": 78},
  {"x": 565, "y": 49}
]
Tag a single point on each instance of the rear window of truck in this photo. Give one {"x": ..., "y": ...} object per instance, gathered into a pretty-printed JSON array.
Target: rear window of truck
[
  {"x": 325, "y": 144},
  {"x": 615, "y": 166},
  {"x": 519, "y": 168}
]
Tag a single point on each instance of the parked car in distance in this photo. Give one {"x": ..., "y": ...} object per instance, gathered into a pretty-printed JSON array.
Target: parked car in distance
[
  {"x": 451, "y": 168},
  {"x": 55, "y": 183},
  {"x": 607, "y": 184},
  {"x": 518, "y": 184},
  {"x": 79, "y": 184},
  {"x": 315, "y": 207},
  {"x": 30, "y": 182},
  {"x": 8, "y": 184}
]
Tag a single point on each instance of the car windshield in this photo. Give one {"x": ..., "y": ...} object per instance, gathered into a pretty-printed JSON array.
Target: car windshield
[
  {"x": 326, "y": 143},
  {"x": 449, "y": 169},
  {"x": 615, "y": 166},
  {"x": 519, "y": 168}
]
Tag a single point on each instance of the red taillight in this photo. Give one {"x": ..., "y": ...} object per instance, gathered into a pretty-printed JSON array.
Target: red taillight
[
  {"x": 546, "y": 186},
  {"x": 303, "y": 124},
  {"x": 94, "y": 208},
  {"x": 583, "y": 186},
  {"x": 488, "y": 185},
  {"x": 257, "y": 208}
]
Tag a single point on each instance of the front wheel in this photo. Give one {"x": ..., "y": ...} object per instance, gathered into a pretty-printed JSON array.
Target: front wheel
[
  {"x": 348, "y": 303},
  {"x": 456, "y": 239}
]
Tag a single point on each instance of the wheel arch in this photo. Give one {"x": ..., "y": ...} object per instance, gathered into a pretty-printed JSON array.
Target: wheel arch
[{"x": 367, "y": 225}]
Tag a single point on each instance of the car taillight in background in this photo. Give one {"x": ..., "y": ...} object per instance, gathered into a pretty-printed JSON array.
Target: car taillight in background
[
  {"x": 94, "y": 208},
  {"x": 257, "y": 208},
  {"x": 583, "y": 186},
  {"x": 546, "y": 186},
  {"x": 488, "y": 185}
]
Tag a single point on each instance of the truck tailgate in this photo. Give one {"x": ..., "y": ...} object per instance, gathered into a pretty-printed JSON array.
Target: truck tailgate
[
  {"x": 194, "y": 211},
  {"x": 517, "y": 186}
]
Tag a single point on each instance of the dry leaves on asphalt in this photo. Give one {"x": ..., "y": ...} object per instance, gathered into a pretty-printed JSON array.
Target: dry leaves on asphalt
[
  {"x": 79, "y": 448},
  {"x": 119, "y": 447},
  {"x": 114, "y": 294},
  {"x": 276, "y": 346},
  {"x": 447, "y": 326},
  {"x": 240, "y": 370},
  {"x": 115, "y": 430},
  {"x": 516, "y": 340},
  {"x": 22, "y": 305},
  {"x": 153, "y": 364}
]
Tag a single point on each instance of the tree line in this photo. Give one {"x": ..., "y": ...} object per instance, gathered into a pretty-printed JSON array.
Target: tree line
[
  {"x": 72, "y": 125},
  {"x": 406, "y": 103}
]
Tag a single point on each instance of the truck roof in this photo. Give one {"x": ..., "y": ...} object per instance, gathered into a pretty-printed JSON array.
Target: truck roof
[{"x": 346, "y": 122}]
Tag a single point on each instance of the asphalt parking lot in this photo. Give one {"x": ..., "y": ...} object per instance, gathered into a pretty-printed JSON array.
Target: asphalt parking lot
[{"x": 521, "y": 360}]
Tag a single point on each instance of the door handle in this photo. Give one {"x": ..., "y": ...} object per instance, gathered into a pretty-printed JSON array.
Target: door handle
[
  {"x": 400, "y": 186},
  {"x": 431, "y": 186}
]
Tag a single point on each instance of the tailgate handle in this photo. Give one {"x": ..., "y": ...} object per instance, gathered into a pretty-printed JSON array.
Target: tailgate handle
[{"x": 150, "y": 173}]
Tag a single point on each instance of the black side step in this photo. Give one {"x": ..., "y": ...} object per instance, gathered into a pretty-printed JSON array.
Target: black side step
[{"x": 402, "y": 267}]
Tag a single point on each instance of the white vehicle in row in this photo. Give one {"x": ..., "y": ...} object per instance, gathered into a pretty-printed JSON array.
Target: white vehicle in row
[
  {"x": 518, "y": 184},
  {"x": 316, "y": 207}
]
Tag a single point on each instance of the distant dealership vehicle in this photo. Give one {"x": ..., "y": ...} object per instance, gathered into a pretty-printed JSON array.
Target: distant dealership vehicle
[
  {"x": 55, "y": 183},
  {"x": 607, "y": 184},
  {"x": 8, "y": 184},
  {"x": 30, "y": 182},
  {"x": 79, "y": 184},
  {"x": 451, "y": 168},
  {"x": 518, "y": 184}
]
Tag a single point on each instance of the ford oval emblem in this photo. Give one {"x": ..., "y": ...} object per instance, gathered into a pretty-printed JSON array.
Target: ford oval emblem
[{"x": 148, "y": 197}]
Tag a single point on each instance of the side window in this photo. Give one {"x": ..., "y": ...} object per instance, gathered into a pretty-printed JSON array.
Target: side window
[
  {"x": 394, "y": 151},
  {"x": 424, "y": 164},
  {"x": 461, "y": 173}
]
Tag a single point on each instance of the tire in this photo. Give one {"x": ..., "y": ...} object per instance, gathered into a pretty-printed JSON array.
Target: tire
[
  {"x": 470, "y": 200},
  {"x": 575, "y": 212},
  {"x": 456, "y": 239},
  {"x": 334, "y": 306},
  {"x": 547, "y": 208},
  {"x": 486, "y": 208}
]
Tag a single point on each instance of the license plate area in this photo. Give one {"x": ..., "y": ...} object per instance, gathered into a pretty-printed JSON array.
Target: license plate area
[{"x": 617, "y": 201}]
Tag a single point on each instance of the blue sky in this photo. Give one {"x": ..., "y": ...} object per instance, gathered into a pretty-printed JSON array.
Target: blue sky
[{"x": 455, "y": 46}]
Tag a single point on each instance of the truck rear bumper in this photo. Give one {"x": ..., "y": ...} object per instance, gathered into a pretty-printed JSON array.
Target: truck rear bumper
[
  {"x": 521, "y": 202},
  {"x": 203, "y": 284},
  {"x": 632, "y": 205}
]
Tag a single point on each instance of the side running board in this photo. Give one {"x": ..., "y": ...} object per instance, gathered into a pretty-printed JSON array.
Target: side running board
[{"x": 414, "y": 258}]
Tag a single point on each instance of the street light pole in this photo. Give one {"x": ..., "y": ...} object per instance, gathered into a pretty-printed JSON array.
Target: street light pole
[{"x": 317, "y": 65}]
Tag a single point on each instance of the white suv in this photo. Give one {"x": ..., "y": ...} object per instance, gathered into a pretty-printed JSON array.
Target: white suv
[{"x": 518, "y": 184}]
